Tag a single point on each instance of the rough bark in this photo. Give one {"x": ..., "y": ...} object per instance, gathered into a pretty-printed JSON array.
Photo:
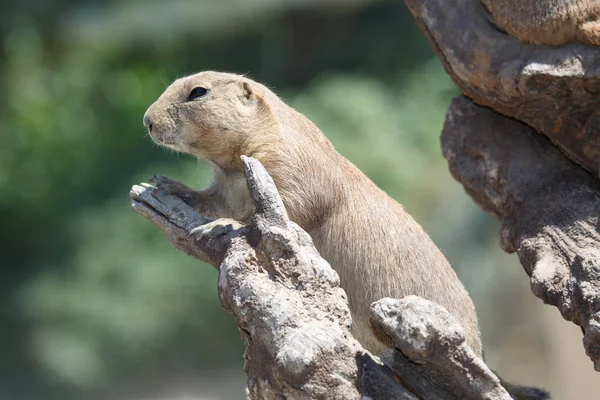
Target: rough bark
[
  {"x": 556, "y": 90},
  {"x": 294, "y": 318},
  {"x": 432, "y": 346},
  {"x": 548, "y": 207}
]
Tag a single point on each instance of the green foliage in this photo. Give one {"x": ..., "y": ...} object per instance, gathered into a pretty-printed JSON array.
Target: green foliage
[{"x": 124, "y": 291}]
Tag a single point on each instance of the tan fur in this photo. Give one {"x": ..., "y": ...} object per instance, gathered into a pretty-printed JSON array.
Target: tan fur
[
  {"x": 375, "y": 246},
  {"x": 550, "y": 22}
]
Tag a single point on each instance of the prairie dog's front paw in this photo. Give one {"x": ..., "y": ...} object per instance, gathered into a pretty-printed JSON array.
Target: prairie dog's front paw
[
  {"x": 185, "y": 193},
  {"x": 217, "y": 228}
]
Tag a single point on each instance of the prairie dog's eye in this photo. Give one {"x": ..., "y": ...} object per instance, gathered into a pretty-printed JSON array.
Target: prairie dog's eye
[{"x": 197, "y": 92}]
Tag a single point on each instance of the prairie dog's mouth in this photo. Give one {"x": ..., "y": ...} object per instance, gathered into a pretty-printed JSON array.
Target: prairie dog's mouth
[
  {"x": 166, "y": 142},
  {"x": 162, "y": 138},
  {"x": 172, "y": 142},
  {"x": 175, "y": 139},
  {"x": 174, "y": 145}
]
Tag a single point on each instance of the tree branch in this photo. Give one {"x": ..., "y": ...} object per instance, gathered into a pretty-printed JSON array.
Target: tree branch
[
  {"x": 433, "y": 356},
  {"x": 294, "y": 317},
  {"x": 548, "y": 207},
  {"x": 553, "y": 89}
]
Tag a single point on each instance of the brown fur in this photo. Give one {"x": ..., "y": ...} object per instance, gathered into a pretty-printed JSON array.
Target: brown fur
[
  {"x": 550, "y": 22},
  {"x": 375, "y": 246}
]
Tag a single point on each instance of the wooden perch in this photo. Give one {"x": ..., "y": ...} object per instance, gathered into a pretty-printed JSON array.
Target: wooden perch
[
  {"x": 432, "y": 346},
  {"x": 548, "y": 206},
  {"x": 294, "y": 318},
  {"x": 556, "y": 90}
]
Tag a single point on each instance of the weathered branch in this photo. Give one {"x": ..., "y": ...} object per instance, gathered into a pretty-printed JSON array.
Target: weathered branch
[
  {"x": 294, "y": 317},
  {"x": 433, "y": 356},
  {"x": 176, "y": 219},
  {"x": 548, "y": 206},
  {"x": 556, "y": 90}
]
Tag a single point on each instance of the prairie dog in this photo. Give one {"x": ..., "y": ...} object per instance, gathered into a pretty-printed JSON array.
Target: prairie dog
[
  {"x": 377, "y": 249},
  {"x": 550, "y": 22}
]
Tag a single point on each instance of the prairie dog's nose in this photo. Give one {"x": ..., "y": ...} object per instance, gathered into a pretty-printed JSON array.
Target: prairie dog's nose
[{"x": 147, "y": 122}]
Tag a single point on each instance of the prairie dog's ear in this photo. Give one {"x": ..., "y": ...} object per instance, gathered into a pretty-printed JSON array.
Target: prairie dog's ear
[
  {"x": 254, "y": 99},
  {"x": 247, "y": 91}
]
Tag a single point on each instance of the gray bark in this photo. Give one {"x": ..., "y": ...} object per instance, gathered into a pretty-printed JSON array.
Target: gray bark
[
  {"x": 553, "y": 89},
  {"x": 294, "y": 318},
  {"x": 548, "y": 208},
  {"x": 547, "y": 204},
  {"x": 431, "y": 352}
]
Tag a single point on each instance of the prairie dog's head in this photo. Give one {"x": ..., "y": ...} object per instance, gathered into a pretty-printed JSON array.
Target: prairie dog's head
[{"x": 212, "y": 115}]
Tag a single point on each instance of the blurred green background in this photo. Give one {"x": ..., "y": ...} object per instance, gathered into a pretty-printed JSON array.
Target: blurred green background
[{"x": 95, "y": 304}]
